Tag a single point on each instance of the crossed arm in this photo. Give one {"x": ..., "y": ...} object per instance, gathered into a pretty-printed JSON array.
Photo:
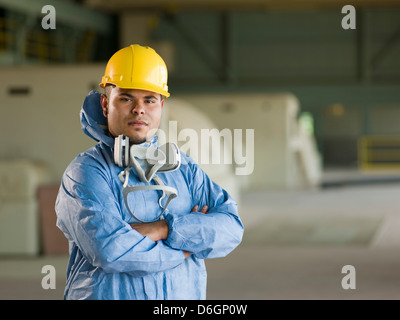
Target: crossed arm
[{"x": 159, "y": 230}]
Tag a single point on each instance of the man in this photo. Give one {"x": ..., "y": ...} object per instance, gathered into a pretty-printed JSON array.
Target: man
[{"x": 113, "y": 255}]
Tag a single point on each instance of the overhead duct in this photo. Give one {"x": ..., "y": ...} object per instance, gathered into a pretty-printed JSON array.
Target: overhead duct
[
  {"x": 119, "y": 5},
  {"x": 67, "y": 12}
]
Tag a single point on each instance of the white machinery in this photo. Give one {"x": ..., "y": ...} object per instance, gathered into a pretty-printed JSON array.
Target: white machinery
[
  {"x": 19, "y": 213},
  {"x": 285, "y": 155}
]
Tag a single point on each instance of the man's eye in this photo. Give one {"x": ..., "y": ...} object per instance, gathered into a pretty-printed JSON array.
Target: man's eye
[
  {"x": 125, "y": 99},
  {"x": 149, "y": 101}
]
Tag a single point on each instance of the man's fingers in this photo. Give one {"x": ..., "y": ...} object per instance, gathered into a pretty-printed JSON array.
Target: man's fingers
[{"x": 204, "y": 209}]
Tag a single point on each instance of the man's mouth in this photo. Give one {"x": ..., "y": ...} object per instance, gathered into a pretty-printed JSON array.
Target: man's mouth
[{"x": 137, "y": 123}]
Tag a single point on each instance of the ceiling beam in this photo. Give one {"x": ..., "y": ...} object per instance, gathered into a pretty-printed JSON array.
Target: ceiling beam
[
  {"x": 118, "y": 5},
  {"x": 69, "y": 13}
]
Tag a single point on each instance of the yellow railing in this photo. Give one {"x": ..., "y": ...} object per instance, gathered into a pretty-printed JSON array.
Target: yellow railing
[
  {"x": 379, "y": 152},
  {"x": 45, "y": 45},
  {"x": 6, "y": 38}
]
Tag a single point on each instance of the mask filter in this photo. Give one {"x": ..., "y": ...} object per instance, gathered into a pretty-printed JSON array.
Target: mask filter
[{"x": 146, "y": 160}]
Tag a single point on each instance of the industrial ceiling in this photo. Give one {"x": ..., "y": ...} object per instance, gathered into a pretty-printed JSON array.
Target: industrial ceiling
[{"x": 118, "y": 5}]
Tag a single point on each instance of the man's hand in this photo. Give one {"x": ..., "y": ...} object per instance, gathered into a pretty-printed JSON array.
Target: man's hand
[
  {"x": 202, "y": 210},
  {"x": 157, "y": 230}
]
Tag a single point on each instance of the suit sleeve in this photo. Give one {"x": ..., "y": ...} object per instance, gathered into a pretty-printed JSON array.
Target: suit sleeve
[
  {"x": 210, "y": 235},
  {"x": 90, "y": 216}
]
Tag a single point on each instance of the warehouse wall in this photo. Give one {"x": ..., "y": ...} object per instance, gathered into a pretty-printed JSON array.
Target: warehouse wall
[
  {"x": 40, "y": 116},
  {"x": 303, "y": 52},
  {"x": 40, "y": 113}
]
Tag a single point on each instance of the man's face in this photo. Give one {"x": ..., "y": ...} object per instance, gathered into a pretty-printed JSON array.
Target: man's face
[{"x": 132, "y": 112}]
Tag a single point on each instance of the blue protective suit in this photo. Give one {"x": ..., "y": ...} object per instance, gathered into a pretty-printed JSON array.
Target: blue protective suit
[{"x": 110, "y": 260}]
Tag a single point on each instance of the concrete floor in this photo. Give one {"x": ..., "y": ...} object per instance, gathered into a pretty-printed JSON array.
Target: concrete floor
[{"x": 295, "y": 245}]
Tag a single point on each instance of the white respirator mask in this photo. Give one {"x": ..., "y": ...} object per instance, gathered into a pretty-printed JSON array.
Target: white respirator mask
[{"x": 146, "y": 160}]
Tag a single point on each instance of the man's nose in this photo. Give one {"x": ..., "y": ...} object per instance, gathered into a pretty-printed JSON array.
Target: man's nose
[{"x": 138, "y": 107}]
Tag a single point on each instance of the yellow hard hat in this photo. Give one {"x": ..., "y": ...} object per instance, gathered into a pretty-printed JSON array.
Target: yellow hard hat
[{"x": 137, "y": 67}]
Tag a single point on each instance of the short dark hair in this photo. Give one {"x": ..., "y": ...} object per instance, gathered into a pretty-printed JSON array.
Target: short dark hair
[{"x": 109, "y": 86}]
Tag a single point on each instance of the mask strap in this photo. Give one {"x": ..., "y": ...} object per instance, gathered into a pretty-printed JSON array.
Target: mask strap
[
  {"x": 172, "y": 193},
  {"x": 156, "y": 158},
  {"x": 126, "y": 174}
]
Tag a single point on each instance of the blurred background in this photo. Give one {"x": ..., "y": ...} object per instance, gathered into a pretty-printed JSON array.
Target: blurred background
[{"x": 323, "y": 101}]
